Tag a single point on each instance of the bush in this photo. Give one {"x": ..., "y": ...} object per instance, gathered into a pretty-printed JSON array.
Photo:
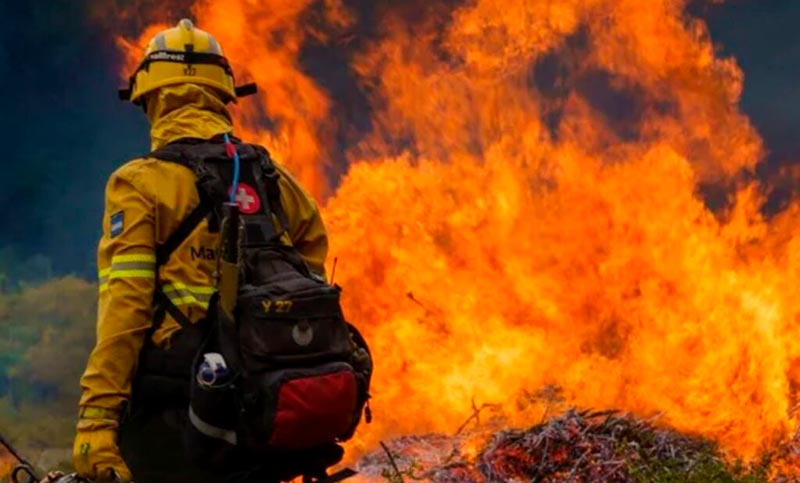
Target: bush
[{"x": 46, "y": 334}]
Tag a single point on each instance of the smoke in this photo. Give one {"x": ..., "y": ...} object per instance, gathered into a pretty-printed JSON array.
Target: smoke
[{"x": 64, "y": 131}]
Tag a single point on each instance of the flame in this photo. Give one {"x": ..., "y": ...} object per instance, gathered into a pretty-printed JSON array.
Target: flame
[
  {"x": 526, "y": 209},
  {"x": 7, "y": 463},
  {"x": 291, "y": 99}
]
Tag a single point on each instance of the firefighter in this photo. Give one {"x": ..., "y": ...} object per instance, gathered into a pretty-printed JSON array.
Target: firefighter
[{"x": 184, "y": 86}]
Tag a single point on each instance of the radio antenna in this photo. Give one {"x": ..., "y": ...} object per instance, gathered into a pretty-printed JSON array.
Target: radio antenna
[{"x": 333, "y": 270}]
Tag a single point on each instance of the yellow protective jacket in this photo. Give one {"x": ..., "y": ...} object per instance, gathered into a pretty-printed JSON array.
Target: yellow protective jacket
[{"x": 146, "y": 200}]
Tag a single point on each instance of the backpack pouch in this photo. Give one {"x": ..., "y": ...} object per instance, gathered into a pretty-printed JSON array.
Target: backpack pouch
[
  {"x": 298, "y": 409},
  {"x": 210, "y": 434},
  {"x": 304, "y": 330}
]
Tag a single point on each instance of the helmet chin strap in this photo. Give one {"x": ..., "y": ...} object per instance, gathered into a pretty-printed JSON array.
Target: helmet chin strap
[{"x": 246, "y": 90}]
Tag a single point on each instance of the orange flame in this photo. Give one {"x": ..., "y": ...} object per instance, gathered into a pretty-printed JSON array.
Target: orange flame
[
  {"x": 526, "y": 210},
  {"x": 7, "y": 463}
]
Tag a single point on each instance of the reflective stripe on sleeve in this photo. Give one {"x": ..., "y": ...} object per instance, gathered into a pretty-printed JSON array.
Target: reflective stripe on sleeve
[
  {"x": 128, "y": 266},
  {"x": 133, "y": 258},
  {"x": 90, "y": 412},
  {"x": 103, "y": 279}
]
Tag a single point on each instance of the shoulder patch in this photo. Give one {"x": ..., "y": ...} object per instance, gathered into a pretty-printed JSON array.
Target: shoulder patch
[{"x": 117, "y": 224}]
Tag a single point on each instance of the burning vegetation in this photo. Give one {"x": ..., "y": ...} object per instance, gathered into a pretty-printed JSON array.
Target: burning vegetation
[
  {"x": 579, "y": 447},
  {"x": 522, "y": 204}
]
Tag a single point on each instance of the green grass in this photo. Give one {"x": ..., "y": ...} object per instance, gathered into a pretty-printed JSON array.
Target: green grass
[{"x": 706, "y": 467}]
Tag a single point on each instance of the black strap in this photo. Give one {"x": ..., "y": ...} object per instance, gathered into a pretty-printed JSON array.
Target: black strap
[
  {"x": 186, "y": 57},
  {"x": 209, "y": 188},
  {"x": 271, "y": 176},
  {"x": 180, "y": 58},
  {"x": 246, "y": 90},
  {"x": 260, "y": 228},
  {"x": 164, "y": 304},
  {"x": 186, "y": 228}
]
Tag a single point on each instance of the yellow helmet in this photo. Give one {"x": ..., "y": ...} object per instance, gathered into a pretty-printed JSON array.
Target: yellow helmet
[{"x": 184, "y": 54}]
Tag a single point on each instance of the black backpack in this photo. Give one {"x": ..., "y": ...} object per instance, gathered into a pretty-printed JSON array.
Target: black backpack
[{"x": 296, "y": 375}]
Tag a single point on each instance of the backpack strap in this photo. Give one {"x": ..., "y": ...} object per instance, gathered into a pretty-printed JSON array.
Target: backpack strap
[
  {"x": 271, "y": 176},
  {"x": 260, "y": 228},
  {"x": 209, "y": 188},
  {"x": 187, "y": 226},
  {"x": 212, "y": 191},
  {"x": 166, "y": 306}
]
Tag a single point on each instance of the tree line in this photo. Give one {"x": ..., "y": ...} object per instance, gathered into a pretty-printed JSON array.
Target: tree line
[{"x": 47, "y": 330}]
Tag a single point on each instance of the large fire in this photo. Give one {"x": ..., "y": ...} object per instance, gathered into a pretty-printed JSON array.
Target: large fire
[{"x": 526, "y": 210}]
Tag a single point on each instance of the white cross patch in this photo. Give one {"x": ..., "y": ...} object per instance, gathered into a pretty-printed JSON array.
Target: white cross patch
[
  {"x": 247, "y": 199},
  {"x": 244, "y": 199}
]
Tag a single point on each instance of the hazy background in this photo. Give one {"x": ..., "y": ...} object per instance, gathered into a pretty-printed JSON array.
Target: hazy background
[{"x": 64, "y": 132}]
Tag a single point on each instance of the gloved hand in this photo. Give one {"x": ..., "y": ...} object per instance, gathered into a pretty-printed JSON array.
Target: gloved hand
[{"x": 95, "y": 454}]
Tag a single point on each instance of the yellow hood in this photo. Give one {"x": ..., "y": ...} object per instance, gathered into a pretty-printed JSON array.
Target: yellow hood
[{"x": 186, "y": 110}]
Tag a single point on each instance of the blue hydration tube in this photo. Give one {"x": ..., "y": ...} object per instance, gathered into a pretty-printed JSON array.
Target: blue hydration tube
[{"x": 235, "y": 155}]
